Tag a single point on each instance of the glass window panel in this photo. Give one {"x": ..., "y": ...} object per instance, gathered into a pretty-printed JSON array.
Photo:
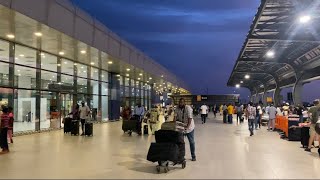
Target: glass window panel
[
  {"x": 4, "y": 51},
  {"x": 5, "y": 94},
  {"x": 104, "y": 108},
  {"x": 82, "y": 71},
  {"x": 121, "y": 91},
  {"x": 127, "y": 82},
  {"x": 104, "y": 89},
  {"x": 67, "y": 67},
  {"x": 94, "y": 87},
  {"x": 82, "y": 85},
  {"x": 137, "y": 92},
  {"x": 25, "y": 56},
  {"x": 104, "y": 76},
  {"x": 4, "y": 74},
  {"x": 49, "y": 113},
  {"x": 121, "y": 80},
  {"x": 24, "y": 110},
  {"x": 49, "y": 62},
  {"x": 132, "y": 92},
  {"x": 94, "y": 73},
  {"x": 48, "y": 78},
  {"x": 127, "y": 92},
  {"x": 25, "y": 77},
  {"x": 67, "y": 83}
]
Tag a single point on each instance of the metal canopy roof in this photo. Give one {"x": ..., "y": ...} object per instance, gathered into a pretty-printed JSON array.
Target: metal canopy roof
[{"x": 294, "y": 46}]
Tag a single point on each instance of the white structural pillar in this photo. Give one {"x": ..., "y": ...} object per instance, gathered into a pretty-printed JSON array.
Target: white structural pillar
[{"x": 297, "y": 90}]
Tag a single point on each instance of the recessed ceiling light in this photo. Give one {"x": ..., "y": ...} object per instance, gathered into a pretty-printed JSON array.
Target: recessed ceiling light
[
  {"x": 65, "y": 62},
  {"x": 92, "y": 63},
  {"x": 118, "y": 75},
  {"x": 83, "y": 51},
  {"x": 140, "y": 74},
  {"x": 39, "y": 34},
  {"x": 270, "y": 54},
  {"x": 127, "y": 75},
  {"x": 21, "y": 55},
  {"x": 150, "y": 77},
  {"x": 61, "y": 53},
  {"x": 237, "y": 85},
  {"x": 247, "y": 76},
  {"x": 147, "y": 81},
  {"x": 162, "y": 76},
  {"x": 305, "y": 19},
  {"x": 10, "y": 36},
  {"x": 75, "y": 64},
  {"x": 110, "y": 62},
  {"x": 138, "y": 78},
  {"x": 128, "y": 69},
  {"x": 241, "y": 82},
  {"x": 58, "y": 64}
]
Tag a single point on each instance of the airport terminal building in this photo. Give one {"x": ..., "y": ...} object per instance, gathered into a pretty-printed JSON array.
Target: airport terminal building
[{"x": 53, "y": 56}]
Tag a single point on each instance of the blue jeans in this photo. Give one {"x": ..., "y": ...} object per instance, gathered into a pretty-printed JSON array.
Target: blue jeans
[
  {"x": 230, "y": 118},
  {"x": 190, "y": 137},
  {"x": 251, "y": 124},
  {"x": 257, "y": 121}
]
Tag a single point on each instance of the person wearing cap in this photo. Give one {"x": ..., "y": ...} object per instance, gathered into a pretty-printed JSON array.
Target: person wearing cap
[
  {"x": 84, "y": 114},
  {"x": 314, "y": 116}
]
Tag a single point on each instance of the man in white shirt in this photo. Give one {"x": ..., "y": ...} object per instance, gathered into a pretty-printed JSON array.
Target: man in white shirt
[
  {"x": 183, "y": 113},
  {"x": 272, "y": 111},
  {"x": 204, "y": 112},
  {"x": 84, "y": 114}
]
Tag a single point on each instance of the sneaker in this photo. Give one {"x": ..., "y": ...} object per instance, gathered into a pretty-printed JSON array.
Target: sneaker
[
  {"x": 194, "y": 159},
  {"x": 307, "y": 149}
]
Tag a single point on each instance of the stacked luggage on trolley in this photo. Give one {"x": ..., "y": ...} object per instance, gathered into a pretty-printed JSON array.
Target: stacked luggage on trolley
[
  {"x": 132, "y": 125},
  {"x": 169, "y": 146},
  {"x": 72, "y": 126}
]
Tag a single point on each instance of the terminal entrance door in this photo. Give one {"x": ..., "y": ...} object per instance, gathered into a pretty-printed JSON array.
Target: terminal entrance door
[{"x": 66, "y": 106}]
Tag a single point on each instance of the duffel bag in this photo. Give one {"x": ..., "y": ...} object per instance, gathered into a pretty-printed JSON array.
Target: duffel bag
[
  {"x": 167, "y": 136},
  {"x": 173, "y": 126},
  {"x": 163, "y": 152}
]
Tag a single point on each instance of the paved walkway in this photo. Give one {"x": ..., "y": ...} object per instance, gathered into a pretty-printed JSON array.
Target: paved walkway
[{"x": 223, "y": 151}]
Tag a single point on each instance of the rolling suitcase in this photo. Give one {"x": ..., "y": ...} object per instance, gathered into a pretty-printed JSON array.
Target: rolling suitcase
[
  {"x": 305, "y": 136},
  {"x": 67, "y": 125},
  {"x": 145, "y": 129},
  {"x": 75, "y": 127},
  {"x": 129, "y": 125},
  {"x": 88, "y": 129},
  {"x": 167, "y": 136}
]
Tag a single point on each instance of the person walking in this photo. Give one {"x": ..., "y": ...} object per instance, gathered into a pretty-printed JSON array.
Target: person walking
[
  {"x": 204, "y": 112},
  {"x": 239, "y": 113},
  {"x": 184, "y": 114},
  {"x": 5, "y": 124},
  {"x": 84, "y": 111},
  {"x": 215, "y": 110},
  {"x": 272, "y": 112},
  {"x": 314, "y": 116},
  {"x": 230, "y": 113},
  {"x": 225, "y": 113},
  {"x": 139, "y": 113},
  {"x": 251, "y": 114},
  {"x": 258, "y": 116},
  {"x": 10, "y": 128}
]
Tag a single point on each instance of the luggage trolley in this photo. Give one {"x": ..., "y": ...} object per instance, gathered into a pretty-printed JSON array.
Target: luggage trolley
[{"x": 169, "y": 147}]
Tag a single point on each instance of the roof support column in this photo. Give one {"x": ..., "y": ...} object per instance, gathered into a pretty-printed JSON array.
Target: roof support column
[
  {"x": 276, "y": 96},
  {"x": 297, "y": 90}
]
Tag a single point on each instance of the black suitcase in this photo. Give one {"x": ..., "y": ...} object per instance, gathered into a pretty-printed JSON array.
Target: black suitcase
[
  {"x": 167, "y": 136},
  {"x": 163, "y": 152},
  {"x": 75, "y": 127},
  {"x": 305, "y": 136},
  {"x": 88, "y": 129},
  {"x": 294, "y": 134},
  {"x": 67, "y": 125},
  {"x": 145, "y": 129},
  {"x": 129, "y": 125}
]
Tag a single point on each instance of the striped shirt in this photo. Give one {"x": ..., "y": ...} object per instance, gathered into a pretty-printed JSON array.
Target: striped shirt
[
  {"x": 252, "y": 111},
  {"x": 5, "y": 120}
]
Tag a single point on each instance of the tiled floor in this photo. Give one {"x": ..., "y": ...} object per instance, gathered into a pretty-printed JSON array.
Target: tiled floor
[{"x": 223, "y": 151}]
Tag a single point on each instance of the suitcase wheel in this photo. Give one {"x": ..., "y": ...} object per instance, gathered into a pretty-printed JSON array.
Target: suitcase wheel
[
  {"x": 130, "y": 133},
  {"x": 184, "y": 164},
  {"x": 158, "y": 169}
]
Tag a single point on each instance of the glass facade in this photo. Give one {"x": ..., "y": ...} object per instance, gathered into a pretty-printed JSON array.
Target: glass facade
[{"x": 43, "y": 88}]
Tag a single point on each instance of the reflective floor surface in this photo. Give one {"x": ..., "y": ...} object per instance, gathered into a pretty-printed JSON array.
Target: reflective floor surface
[{"x": 223, "y": 151}]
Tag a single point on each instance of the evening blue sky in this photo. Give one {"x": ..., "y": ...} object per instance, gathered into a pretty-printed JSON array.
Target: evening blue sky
[{"x": 198, "y": 40}]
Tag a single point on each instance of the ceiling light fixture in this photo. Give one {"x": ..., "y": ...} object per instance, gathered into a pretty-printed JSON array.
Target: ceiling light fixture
[
  {"x": 110, "y": 62},
  {"x": 10, "y": 36},
  {"x": 39, "y": 34},
  {"x": 305, "y": 19},
  {"x": 237, "y": 85},
  {"x": 247, "y": 76},
  {"x": 83, "y": 52},
  {"x": 241, "y": 82},
  {"x": 92, "y": 63},
  {"x": 61, "y": 53},
  {"x": 270, "y": 54},
  {"x": 128, "y": 69},
  {"x": 21, "y": 55}
]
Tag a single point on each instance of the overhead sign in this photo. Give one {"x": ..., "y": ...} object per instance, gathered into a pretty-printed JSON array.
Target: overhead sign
[
  {"x": 204, "y": 97},
  {"x": 198, "y": 98},
  {"x": 269, "y": 99}
]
